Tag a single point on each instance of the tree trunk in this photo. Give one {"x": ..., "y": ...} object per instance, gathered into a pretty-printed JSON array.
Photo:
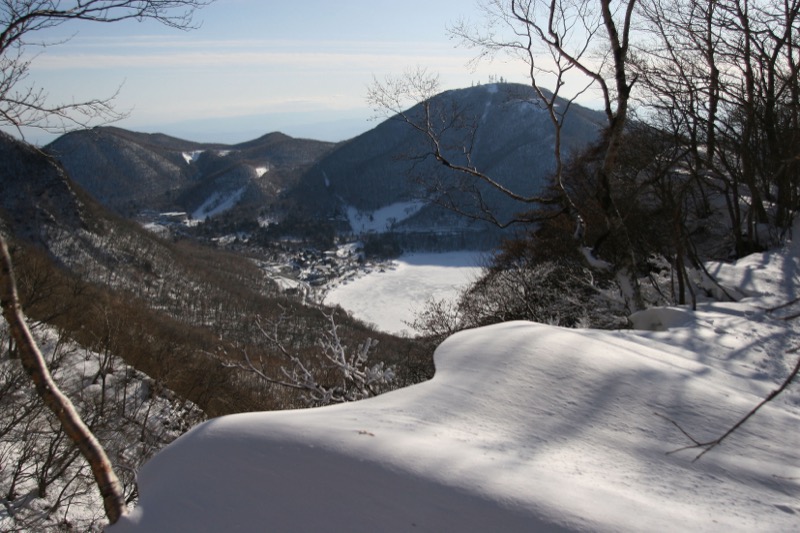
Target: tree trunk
[
  {"x": 616, "y": 128},
  {"x": 34, "y": 364}
]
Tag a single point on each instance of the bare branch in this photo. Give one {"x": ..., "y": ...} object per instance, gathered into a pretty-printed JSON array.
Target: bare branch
[
  {"x": 709, "y": 445},
  {"x": 28, "y": 105},
  {"x": 354, "y": 378}
]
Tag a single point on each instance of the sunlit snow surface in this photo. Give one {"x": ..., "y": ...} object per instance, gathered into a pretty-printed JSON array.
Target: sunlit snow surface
[
  {"x": 525, "y": 427},
  {"x": 390, "y": 296},
  {"x": 383, "y": 219}
]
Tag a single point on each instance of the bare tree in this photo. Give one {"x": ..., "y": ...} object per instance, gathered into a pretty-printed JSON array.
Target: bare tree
[
  {"x": 557, "y": 40},
  {"x": 24, "y": 104},
  {"x": 722, "y": 77}
]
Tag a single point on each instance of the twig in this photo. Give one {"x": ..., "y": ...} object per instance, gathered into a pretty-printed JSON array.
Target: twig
[{"x": 711, "y": 444}]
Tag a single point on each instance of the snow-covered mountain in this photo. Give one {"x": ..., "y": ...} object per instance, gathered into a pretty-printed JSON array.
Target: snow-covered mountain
[
  {"x": 42, "y": 205},
  {"x": 168, "y": 303},
  {"x": 130, "y": 172},
  {"x": 389, "y": 168}
]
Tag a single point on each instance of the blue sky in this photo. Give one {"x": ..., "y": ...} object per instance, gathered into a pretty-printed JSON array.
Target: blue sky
[{"x": 256, "y": 66}]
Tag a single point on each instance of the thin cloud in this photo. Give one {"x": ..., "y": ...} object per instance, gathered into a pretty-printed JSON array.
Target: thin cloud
[
  {"x": 163, "y": 42},
  {"x": 243, "y": 59}
]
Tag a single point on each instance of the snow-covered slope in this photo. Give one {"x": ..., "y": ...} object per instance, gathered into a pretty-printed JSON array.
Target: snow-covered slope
[
  {"x": 44, "y": 484},
  {"x": 525, "y": 427},
  {"x": 383, "y": 219}
]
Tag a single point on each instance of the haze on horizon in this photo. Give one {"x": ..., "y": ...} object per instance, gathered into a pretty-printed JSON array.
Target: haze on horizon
[{"x": 252, "y": 67}]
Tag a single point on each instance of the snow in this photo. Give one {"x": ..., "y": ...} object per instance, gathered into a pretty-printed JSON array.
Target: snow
[
  {"x": 260, "y": 171},
  {"x": 217, "y": 204},
  {"x": 158, "y": 229},
  {"x": 191, "y": 157},
  {"x": 285, "y": 283},
  {"x": 383, "y": 219},
  {"x": 525, "y": 427},
  {"x": 348, "y": 249},
  {"x": 390, "y": 298},
  {"x": 493, "y": 89}
]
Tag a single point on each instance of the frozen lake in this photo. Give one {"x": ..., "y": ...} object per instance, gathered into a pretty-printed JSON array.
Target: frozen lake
[{"x": 390, "y": 299}]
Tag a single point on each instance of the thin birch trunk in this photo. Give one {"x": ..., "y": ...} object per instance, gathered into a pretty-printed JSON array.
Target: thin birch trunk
[{"x": 34, "y": 364}]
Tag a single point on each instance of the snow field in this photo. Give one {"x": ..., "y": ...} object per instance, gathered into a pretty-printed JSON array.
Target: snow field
[
  {"x": 525, "y": 427},
  {"x": 391, "y": 298}
]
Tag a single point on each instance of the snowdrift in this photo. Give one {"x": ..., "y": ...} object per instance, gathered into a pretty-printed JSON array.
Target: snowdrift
[{"x": 525, "y": 427}]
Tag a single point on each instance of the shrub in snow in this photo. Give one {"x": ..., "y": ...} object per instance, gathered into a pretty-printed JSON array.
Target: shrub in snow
[
  {"x": 339, "y": 372},
  {"x": 530, "y": 279}
]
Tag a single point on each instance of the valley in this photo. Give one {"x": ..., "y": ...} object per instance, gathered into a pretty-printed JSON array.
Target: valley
[
  {"x": 282, "y": 273},
  {"x": 311, "y": 214}
]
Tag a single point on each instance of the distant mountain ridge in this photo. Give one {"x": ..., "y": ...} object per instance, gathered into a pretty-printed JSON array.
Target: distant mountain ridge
[
  {"x": 129, "y": 171},
  {"x": 378, "y": 182},
  {"x": 40, "y": 205}
]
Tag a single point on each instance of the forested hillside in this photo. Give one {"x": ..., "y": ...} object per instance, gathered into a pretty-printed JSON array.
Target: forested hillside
[{"x": 132, "y": 172}]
